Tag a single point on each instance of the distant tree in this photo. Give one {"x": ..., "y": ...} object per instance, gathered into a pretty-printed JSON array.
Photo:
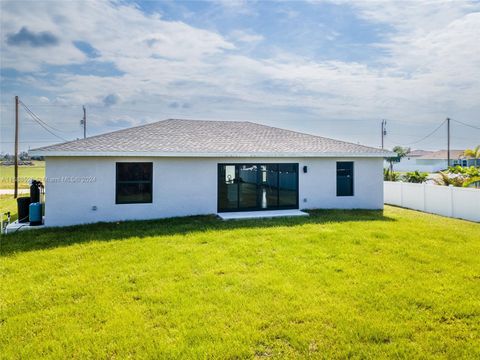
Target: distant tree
[
  {"x": 401, "y": 153},
  {"x": 24, "y": 156},
  {"x": 473, "y": 153}
]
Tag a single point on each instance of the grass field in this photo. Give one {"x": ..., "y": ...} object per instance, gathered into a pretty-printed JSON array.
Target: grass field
[
  {"x": 37, "y": 171},
  {"x": 8, "y": 203},
  {"x": 338, "y": 284}
]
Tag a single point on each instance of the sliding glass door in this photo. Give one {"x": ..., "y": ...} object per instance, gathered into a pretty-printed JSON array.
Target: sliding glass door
[
  {"x": 268, "y": 186},
  {"x": 248, "y": 187}
]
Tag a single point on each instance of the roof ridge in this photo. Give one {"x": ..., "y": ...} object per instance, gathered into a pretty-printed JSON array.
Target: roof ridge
[
  {"x": 313, "y": 135},
  {"x": 137, "y": 127},
  {"x": 103, "y": 134}
]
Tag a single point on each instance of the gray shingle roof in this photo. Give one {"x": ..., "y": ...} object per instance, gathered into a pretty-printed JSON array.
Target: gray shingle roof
[
  {"x": 443, "y": 155},
  {"x": 176, "y": 137},
  {"x": 416, "y": 153}
]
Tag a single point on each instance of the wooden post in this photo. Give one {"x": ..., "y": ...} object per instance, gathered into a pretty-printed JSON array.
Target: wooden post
[
  {"x": 448, "y": 142},
  {"x": 84, "y": 122},
  {"x": 384, "y": 130},
  {"x": 15, "y": 160}
]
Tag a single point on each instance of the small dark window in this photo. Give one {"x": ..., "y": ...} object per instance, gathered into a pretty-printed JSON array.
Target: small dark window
[
  {"x": 134, "y": 183},
  {"x": 345, "y": 178}
]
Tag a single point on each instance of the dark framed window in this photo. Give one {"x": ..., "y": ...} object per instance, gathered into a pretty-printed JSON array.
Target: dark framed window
[
  {"x": 345, "y": 178},
  {"x": 249, "y": 187},
  {"x": 133, "y": 183}
]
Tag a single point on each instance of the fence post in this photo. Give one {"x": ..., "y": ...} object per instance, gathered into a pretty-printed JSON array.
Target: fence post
[
  {"x": 424, "y": 197},
  {"x": 401, "y": 193},
  {"x": 451, "y": 201}
]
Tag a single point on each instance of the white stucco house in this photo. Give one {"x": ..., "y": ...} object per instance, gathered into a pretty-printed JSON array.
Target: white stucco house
[
  {"x": 432, "y": 161},
  {"x": 189, "y": 167}
]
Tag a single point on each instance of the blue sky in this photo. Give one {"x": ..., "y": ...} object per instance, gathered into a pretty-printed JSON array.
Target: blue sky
[{"x": 332, "y": 68}]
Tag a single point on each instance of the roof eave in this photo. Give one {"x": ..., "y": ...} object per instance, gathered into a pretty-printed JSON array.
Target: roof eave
[{"x": 50, "y": 153}]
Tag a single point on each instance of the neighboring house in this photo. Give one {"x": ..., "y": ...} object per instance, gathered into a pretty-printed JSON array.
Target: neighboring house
[
  {"x": 432, "y": 161},
  {"x": 409, "y": 162},
  {"x": 187, "y": 167},
  {"x": 464, "y": 161}
]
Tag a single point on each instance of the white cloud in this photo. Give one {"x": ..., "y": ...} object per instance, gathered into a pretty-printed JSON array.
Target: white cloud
[
  {"x": 430, "y": 69},
  {"x": 117, "y": 31},
  {"x": 246, "y": 36},
  {"x": 244, "y": 7}
]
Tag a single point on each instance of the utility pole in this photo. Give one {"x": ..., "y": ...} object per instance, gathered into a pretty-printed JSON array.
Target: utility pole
[
  {"x": 84, "y": 122},
  {"x": 448, "y": 141},
  {"x": 15, "y": 159},
  {"x": 384, "y": 130}
]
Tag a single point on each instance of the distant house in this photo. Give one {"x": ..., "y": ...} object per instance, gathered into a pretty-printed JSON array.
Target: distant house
[
  {"x": 432, "y": 161},
  {"x": 187, "y": 167}
]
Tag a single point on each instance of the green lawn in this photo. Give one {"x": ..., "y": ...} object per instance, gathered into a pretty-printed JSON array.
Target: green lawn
[
  {"x": 8, "y": 203},
  {"x": 338, "y": 284},
  {"x": 37, "y": 172}
]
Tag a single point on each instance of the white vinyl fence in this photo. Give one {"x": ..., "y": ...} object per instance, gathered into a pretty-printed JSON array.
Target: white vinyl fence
[{"x": 463, "y": 203}]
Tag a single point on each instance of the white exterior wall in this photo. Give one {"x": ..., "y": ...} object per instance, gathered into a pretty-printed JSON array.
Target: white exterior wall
[{"x": 188, "y": 186}]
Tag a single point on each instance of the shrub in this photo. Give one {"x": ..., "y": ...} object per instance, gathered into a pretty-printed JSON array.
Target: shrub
[
  {"x": 416, "y": 177},
  {"x": 472, "y": 182},
  {"x": 389, "y": 175},
  {"x": 447, "y": 179},
  {"x": 471, "y": 171}
]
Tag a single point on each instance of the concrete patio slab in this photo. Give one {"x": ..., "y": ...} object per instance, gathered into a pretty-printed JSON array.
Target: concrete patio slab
[
  {"x": 240, "y": 215},
  {"x": 16, "y": 226}
]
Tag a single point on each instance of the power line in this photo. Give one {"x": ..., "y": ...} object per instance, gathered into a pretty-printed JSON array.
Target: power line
[
  {"x": 38, "y": 118},
  {"x": 48, "y": 105},
  {"x": 430, "y": 134},
  {"x": 52, "y": 129},
  {"x": 51, "y": 132},
  {"x": 472, "y": 126},
  {"x": 41, "y": 123},
  {"x": 157, "y": 112},
  {"x": 35, "y": 116},
  {"x": 27, "y": 141},
  {"x": 31, "y": 121}
]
